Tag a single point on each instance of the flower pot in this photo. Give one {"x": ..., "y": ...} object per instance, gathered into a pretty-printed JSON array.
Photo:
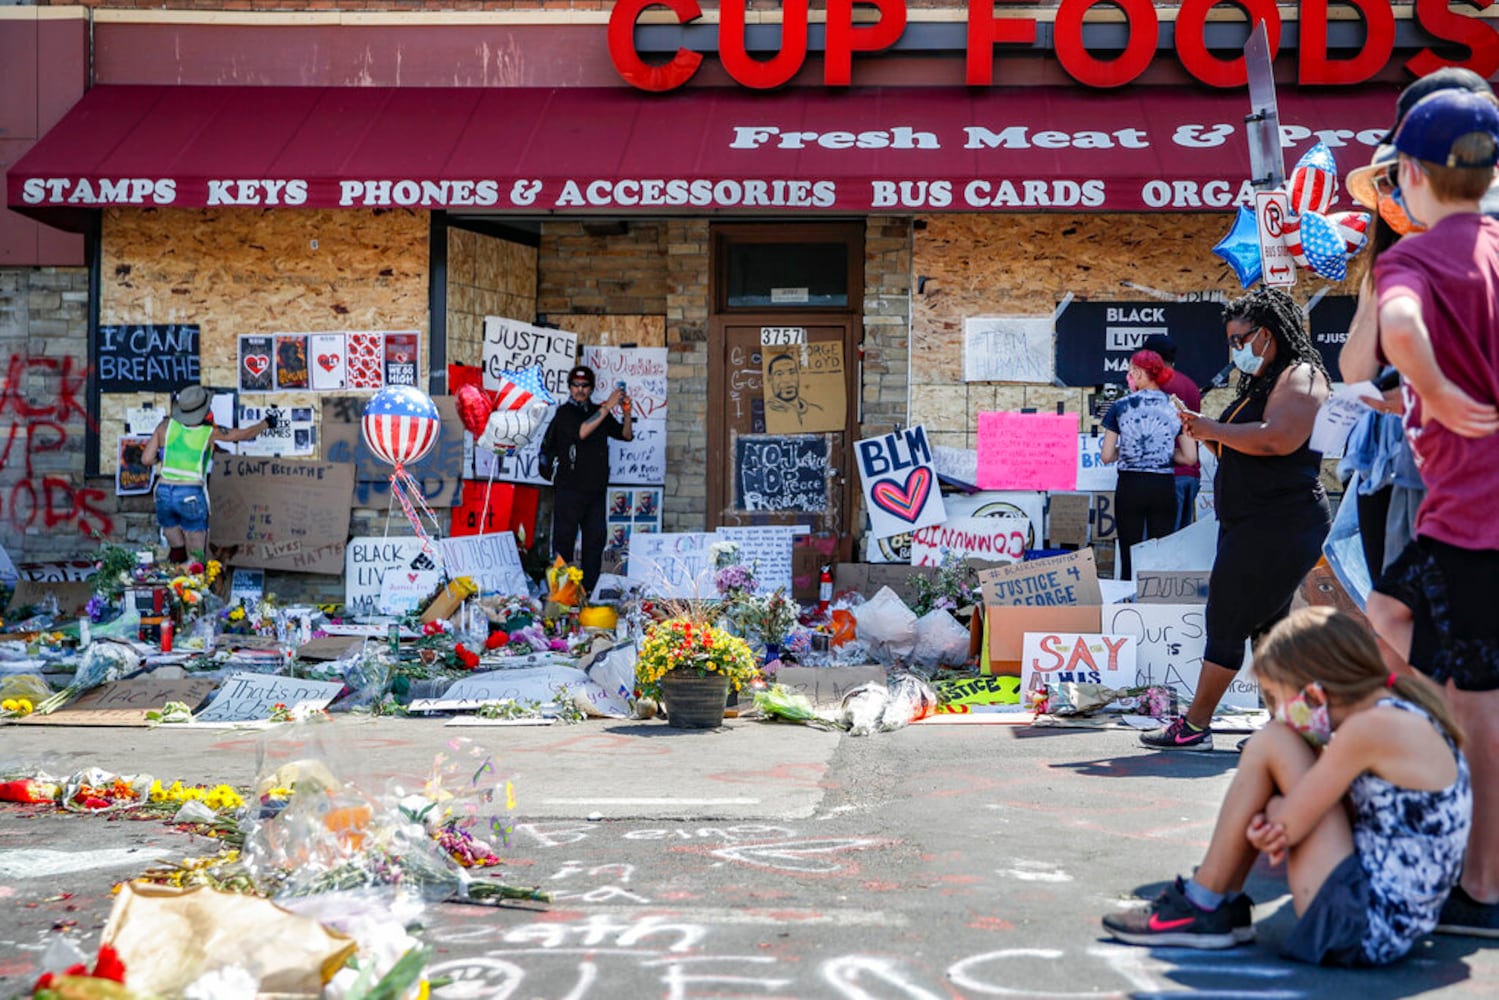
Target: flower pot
[{"x": 694, "y": 702}]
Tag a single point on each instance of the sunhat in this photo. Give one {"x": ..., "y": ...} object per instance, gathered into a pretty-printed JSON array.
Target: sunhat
[{"x": 191, "y": 406}]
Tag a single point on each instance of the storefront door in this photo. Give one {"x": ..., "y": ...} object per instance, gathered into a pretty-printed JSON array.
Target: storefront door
[{"x": 783, "y": 397}]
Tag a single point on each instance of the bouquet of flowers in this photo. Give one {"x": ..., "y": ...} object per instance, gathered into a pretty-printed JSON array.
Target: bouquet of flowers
[
  {"x": 190, "y": 590},
  {"x": 565, "y": 584},
  {"x": 767, "y": 618},
  {"x": 953, "y": 586},
  {"x": 685, "y": 644}
]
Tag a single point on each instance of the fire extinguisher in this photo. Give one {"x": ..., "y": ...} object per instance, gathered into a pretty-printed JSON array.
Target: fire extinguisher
[{"x": 824, "y": 591}]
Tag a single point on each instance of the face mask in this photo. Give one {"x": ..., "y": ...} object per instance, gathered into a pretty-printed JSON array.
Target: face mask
[
  {"x": 1398, "y": 197},
  {"x": 1311, "y": 721},
  {"x": 1395, "y": 217},
  {"x": 1129, "y": 380},
  {"x": 1245, "y": 359}
]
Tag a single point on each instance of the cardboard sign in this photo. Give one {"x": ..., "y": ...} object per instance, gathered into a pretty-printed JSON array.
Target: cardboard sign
[
  {"x": 673, "y": 564},
  {"x": 1105, "y": 529},
  {"x": 963, "y": 693},
  {"x": 146, "y": 358},
  {"x": 1093, "y": 473},
  {"x": 1076, "y": 658},
  {"x": 1195, "y": 547},
  {"x": 489, "y": 507},
  {"x": 768, "y": 550},
  {"x": 368, "y": 560},
  {"x": 133, "y": 477},
  {"x": 542, "y": 684},
  {"x": 1172, "y": 638},
  {"x": 1008, "y": 625},
  {"x": 493, "y": 561},
  {"x": 1067, "y": 519},
  {"x": 405, "y": 591},
  {"x": 247, "y": 697},
  {"x": 510, "y": 345},
  {"x": 999, "y": 539},
  {"x": 1027, "y": 451},
  {"x": 1159, "y": 586},
  {"x": 72, "y": 595},
  {"x": 439, "y": 473},
  {"x": 1060, "y": 580},
  {"x": 826, "y": 686},
  {"x": 781, "y": 472},
  {"x": 643, "y": 372},
  {"x": 125, "y": 703},
  {"x": 900, "y": 482},
  {"x": 1008, "y": 349},
  {"x": 868, "y": 578},
  {"x": 804, "y": 388},
  {"x": 281, "y": 514}
]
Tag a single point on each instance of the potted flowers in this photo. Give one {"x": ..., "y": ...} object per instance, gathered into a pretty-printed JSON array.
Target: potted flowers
[{"x": 691, "y": 666}]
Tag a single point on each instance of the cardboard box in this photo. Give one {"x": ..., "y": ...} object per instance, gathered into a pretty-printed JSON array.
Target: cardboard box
[
  {"x": 444, "y": 605},
  {"x": 1008, "y": 625},
  {"x": 72, "y": 596}
]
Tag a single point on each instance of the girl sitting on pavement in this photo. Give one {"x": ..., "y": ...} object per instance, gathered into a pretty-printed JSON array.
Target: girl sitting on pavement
[{"x": 1366, "y": 881}]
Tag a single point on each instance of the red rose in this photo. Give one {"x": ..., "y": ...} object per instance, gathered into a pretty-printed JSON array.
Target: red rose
[
  {"x": 497, "y": 639},
  {"x": 109, "y": 965}
]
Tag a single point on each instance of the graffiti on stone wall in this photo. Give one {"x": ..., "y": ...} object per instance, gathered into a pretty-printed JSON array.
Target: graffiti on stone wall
[{"x": 35, "y": 430}]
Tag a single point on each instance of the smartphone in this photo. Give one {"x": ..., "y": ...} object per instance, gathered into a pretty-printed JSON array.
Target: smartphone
[{"x": 620, "y": 386}]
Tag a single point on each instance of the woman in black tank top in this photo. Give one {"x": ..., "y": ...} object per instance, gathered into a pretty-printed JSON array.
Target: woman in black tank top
[{"x": 1272, "y": 509}]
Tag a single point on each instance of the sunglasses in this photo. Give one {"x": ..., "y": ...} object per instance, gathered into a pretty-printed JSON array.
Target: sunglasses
[
  {"x": 1238, "y": 340},
  {"x": 580, "y": 385}
]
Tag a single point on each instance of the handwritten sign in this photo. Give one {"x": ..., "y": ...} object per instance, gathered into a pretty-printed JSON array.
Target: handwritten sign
[
  {"x": 368, "y": 560},
  {"x": 1172, "y": 638},
  {"x": 125, "y": 703},
  {"x": 282, "y": 514},
  {"x": 1172, "y": 586},
  {"x": 246, "y": 697},
  {"x": 1067, "y": 519},
  {"x": 826, "y": 686},
  {"x": 547, "y": 684},
  {"x": 1027, "y": 451},
  {"x": 1076, "y": 658},
  {"x": 672, "y": 564},
  {"x": 999, "y": 539},
  {"x": 962, "y": 694},
  {"x": 643, "y": 371},
  {"x": 781, "y": 472},
  {"x": 1093, "y": 473},
  {"x": 439, "y": 473},
  {"x": 900, "y": 482},
  {"x": 804, "y": 387},
  {"x": 405, "y": 591},
  {"x": 493, "y": 561},
  {"x": 957, "y": 465},
  {"x": 1337, "y": 415},
  {"x": 1008, "y": 349},
  {"x": 1060, "y": 580},
  {"x": 510, "y": 345},
  {"x": 146, "y": 358},
  {"x": 768, "y": 549}
]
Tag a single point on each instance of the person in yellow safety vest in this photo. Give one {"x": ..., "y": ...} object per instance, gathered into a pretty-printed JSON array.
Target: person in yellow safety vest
[{"x": 182, "y": 444}]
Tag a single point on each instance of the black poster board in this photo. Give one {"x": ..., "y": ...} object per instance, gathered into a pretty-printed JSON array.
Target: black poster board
[
  {"x": 146, "y": 357},
  {"x": 1329, "y": 322},
  {"x": 781, "y": 472},
  {"x": 1096, "y": 339}
]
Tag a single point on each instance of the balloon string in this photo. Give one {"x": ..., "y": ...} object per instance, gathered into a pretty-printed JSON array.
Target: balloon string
[{"x": 404, "y": 488}]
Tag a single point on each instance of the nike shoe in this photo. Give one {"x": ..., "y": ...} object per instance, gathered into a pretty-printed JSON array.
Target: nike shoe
[
  {"x": 1241, "y": 917},
  {"x": 1462, "y": 914},
  {"x": 1173, "y": 921},
  {"x": 1180, "y": 735}
]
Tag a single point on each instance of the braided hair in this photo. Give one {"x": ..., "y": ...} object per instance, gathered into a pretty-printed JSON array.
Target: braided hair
[{"x": 1277, "y": 312}]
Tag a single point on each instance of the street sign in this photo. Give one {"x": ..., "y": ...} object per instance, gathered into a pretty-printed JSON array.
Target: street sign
[
  {"x": 1267, "y": 165},
  {"x": 1271, "y": 210}
]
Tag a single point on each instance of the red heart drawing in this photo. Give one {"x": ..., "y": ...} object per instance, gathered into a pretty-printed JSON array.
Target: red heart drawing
[
  {"x": 411, "y": 577},
  {"x": 328, "y": 361},
  {"x": 256, "y": 364},
  {"x": 904, "y": 502}
]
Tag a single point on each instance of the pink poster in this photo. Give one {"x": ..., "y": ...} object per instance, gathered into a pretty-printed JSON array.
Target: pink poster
[{"x": 1027, "y": 451}]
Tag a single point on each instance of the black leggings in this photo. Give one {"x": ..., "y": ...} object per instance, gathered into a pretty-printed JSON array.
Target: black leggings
[
  {"x": 1144, "y": 508},
  {"x": 1261, "y": 561}
]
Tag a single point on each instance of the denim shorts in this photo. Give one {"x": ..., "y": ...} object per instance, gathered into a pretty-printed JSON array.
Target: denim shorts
[
  {"x": 182, "y": 506},
  {"x": 1331, "y": 931}
]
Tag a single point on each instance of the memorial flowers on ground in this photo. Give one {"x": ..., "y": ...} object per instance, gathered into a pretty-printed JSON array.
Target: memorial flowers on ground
[{"x": 695, "y": 647}]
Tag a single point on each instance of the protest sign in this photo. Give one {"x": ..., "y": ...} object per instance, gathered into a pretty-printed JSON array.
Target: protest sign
[
  {"x": 1008, "y": 349},
  {"x": 1105, "y": 529},
  {"x": 768, "y": 550},
  {"x": 1000, "y": 539},
  {"x": 146, "y": 357},
  {"x": 1076, "y": 658},
  {"x": 672, "y": 564},
  {"x": 826, "y": 686},
  {"x": 1027, "y": 451},
  {"x": 282, "y": 514},
  {"x": 1172, "y": 639},
  {"x": 1160, "y": 586},
  {"x": 125, "y": 703},
  {"x": 405, "y": 591},
  {"x": 546, "y": 684},
  {"x": 781, "y": 472},
  {"x": 804, "y": 387},
  {"x": 900, "y": 482},
  {"x": 246, "y": 697},
  {"x": 1094, "y": 339},
  {"x": 1067, "y": 519},
  {"x": 1008, "y": 624},
  {"x": 1060, "y": 580},
  {"x": 962, "y": 694},
  {"x": 1028, "y": 504},
  {"x": 956, "y": 465},
  {"x": 328, "y": 362},
  {"x": 1194, "y": 547},
  {"x": 439, "y": 473},
  {"x": 294, "y": 436},
  {"x": 367, "y": 562},
  {"x": 510, "y": 345},
  {"x": 1337, "y": 415},
  {"x": 492, "y": 561},
  {"x": 643, "y": 371},
  {"x": 1093, "y": 473},
  {"x": 247, "y": 586}
]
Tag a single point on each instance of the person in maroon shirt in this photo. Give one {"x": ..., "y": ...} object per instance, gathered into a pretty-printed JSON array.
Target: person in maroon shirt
[{"x": 1180, "y": 385}]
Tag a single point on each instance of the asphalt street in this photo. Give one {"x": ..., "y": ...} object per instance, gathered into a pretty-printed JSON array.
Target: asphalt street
[{"x": 759, "y": 860}]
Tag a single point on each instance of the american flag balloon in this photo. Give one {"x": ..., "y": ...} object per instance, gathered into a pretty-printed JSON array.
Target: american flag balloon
[
  {"x": 401, "y": 424},
  {"x": 1353, "y": 227},
  {"x": 1290, "y": 235},
  {"x": 1314, "y": 181},
  {"x": 1326, "y": 253},
  {"x": 516, "y": 389}
]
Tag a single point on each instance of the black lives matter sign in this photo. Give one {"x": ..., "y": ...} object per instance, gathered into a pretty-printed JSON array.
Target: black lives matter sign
[
  {"x": 146, "y": 358},
  {"x": 1095, "y": 339}
]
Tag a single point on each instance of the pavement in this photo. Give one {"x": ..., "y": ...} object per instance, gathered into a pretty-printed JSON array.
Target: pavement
[{"x": 757, "y": 860}]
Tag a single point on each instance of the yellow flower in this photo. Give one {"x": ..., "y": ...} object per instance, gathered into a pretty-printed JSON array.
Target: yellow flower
[
  {"x": 237, "y": 615},
  {"x": 214, "y": 569}
]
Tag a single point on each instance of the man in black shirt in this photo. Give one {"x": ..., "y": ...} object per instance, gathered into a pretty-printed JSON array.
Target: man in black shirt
[{"x": 580, "y": 434}]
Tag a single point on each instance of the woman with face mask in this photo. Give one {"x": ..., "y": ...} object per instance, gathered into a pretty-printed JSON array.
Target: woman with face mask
[
  {"x": 1272, "y": 509},
  {"x": 1143, "y": 434}
]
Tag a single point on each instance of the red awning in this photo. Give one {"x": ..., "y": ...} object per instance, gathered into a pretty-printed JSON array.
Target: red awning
[{"x": 620, "y": 151}]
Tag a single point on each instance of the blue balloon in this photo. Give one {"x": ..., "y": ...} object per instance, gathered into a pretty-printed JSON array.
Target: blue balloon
[{"x": 1241, "y": 247}]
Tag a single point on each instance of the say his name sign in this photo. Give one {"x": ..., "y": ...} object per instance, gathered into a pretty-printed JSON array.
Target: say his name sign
[
  {"x": 1076, "y": 658},
  {"x": 900, "y": 483},
  {"x": 1027, "y": 451}
]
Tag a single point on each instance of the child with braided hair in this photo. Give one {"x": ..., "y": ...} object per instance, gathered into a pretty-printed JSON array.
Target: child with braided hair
[{"x": 1272, "y": 510}]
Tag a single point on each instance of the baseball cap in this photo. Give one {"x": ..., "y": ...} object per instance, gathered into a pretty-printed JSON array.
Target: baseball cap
[
  {"x": 582, "y": 373},
  {"x": 1446, "y": 78},
  {"x": 1437, "y": 121},
  {"x": 1162, "y": 345},
  {"x": 191, "y": 406}
]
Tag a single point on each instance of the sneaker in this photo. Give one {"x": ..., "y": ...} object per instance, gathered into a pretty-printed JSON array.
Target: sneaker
[
  {"x": 1241, "y": 917},
  {"x": 1178, "y": 736},
  {"x": 1462, "y": 914},
  {"x": 1173, "y": 920}
]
